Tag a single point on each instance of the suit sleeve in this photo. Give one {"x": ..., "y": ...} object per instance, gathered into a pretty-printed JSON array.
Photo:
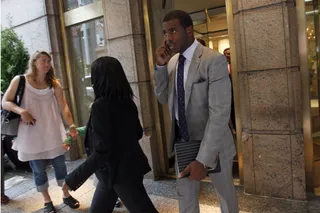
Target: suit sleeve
[
  {"x": 219, "y": 96},
  {"x": 102, "y": 153},
  {"x": 161, "y": 78}
]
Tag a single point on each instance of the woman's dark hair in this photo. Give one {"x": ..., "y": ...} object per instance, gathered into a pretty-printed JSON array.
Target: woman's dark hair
[
  {"x": 183, "y": 17},
  {"x": 109, "y": 80}
]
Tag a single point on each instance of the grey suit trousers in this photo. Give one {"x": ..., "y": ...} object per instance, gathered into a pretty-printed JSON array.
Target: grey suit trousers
[{"x": 188, "y": 190}]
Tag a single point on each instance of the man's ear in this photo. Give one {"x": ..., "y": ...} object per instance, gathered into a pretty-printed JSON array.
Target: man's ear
[{"x": 189, "y": 30}]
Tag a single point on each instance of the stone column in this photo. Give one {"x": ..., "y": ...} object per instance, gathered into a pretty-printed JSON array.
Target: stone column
[
  {"x": 270, "y": 97},
  {"x": 125, "y": 37}
]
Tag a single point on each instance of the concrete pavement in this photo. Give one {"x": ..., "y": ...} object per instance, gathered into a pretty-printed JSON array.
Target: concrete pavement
[{"x": 25, "y": 198}]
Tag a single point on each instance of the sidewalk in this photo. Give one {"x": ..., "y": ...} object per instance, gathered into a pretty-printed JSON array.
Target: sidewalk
[{"x": 25, "y": 198}]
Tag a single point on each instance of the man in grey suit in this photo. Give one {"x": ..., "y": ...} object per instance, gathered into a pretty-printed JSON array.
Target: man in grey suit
[{"x": 195, "y": 83}]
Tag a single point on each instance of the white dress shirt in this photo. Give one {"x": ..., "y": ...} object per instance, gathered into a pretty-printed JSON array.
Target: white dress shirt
[{"x": 188, "y": 54}]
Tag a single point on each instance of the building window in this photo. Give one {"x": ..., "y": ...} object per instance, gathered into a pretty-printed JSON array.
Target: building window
[{"x": 73, "y": 4}]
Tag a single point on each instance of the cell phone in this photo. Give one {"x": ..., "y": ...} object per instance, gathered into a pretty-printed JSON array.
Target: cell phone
[{"x": 166, "y": 43}]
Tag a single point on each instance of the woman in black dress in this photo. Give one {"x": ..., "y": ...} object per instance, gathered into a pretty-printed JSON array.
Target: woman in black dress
[{"x": 111, "y": 141}]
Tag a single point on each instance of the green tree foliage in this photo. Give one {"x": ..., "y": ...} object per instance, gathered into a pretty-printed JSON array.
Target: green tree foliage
[{"x": 14, "y": 57}]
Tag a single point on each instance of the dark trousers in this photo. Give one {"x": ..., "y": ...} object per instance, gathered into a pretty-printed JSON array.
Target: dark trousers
[
  {"x": 132, "y": 194},
  {"x": 2, "y": 169}
]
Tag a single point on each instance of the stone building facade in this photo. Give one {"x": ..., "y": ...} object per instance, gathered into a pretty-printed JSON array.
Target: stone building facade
[{"x": 270, "y": 80}]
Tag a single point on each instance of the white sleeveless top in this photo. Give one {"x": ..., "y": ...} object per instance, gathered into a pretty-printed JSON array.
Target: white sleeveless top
[{"x": 44, "y": 139}]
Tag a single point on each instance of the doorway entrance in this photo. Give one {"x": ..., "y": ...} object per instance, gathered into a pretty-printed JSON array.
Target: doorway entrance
[
  {"x": 211, "y": 25},
  {"x": 313, "y": 32},
  {"x": 85, "y": 41}
]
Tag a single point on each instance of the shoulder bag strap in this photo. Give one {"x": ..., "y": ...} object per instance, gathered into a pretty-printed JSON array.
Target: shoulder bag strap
[{"x": 20, "y": 90}]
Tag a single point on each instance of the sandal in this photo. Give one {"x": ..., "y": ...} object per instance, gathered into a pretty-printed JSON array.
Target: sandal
[
  {"x": 71, "y": 202},
  {"x": 49, "y": 208},
  {"x": 118, "y": 203}
]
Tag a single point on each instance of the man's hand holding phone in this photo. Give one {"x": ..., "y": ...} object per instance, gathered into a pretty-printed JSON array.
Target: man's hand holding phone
[{"x": 163, "y": 54}]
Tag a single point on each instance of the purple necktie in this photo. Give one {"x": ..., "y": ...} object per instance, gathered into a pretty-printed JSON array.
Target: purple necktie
[{"x": 183, "y": 126}]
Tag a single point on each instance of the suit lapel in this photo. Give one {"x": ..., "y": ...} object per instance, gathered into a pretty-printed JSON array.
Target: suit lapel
[
  {"x": 193, "y": 69},
  {"x": 172, "y": 79}
]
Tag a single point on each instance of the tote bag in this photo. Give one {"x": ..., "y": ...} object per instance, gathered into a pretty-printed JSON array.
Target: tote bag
[{"x": 10, "y": 120}]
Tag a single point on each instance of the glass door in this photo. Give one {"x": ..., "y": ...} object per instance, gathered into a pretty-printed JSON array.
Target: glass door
[
  {"x": 85, "y": 42},
  {"x": 84, "y": 26},
  {"x": 312, "y": 31}
]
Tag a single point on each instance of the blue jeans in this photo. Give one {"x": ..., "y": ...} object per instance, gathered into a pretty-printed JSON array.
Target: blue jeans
[{"x": 40, "y": 174}]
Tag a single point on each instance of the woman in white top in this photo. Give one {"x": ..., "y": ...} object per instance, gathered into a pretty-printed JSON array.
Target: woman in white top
[{"x": 41, "y": 131}]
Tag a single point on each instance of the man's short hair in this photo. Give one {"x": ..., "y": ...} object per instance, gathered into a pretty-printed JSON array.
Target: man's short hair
[{"x": 183, "y": 17}]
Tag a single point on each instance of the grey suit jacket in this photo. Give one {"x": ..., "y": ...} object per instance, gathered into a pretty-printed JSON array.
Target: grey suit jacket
[{"x": 207, "y": 102}]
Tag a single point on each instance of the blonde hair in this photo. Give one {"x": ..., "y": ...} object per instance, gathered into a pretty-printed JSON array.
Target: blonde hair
[{"x": 51, "y": 79}]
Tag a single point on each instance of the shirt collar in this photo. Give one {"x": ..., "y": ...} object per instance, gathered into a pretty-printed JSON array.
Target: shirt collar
[{"x": 188, "y": 53}]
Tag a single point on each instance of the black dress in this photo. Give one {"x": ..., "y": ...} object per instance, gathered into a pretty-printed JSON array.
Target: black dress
[{"x": 115, "y": 156}]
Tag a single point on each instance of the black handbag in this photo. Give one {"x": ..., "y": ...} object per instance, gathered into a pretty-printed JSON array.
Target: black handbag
[
  {"x": 186, "y": 152},
  {"x": 10, "y": 120}
]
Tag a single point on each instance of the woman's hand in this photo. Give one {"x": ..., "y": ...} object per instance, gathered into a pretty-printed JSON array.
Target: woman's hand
[
  {"x": 65, "y": 146},
  {"x": 27, "y": 118}
]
